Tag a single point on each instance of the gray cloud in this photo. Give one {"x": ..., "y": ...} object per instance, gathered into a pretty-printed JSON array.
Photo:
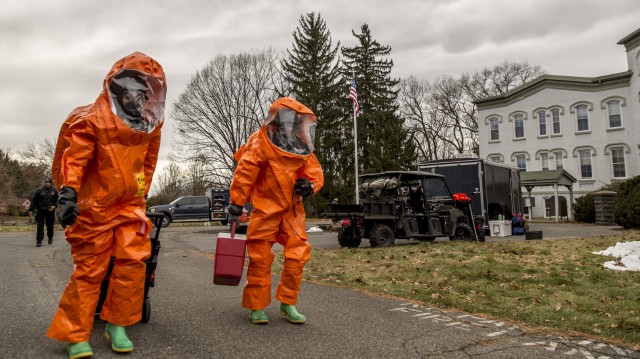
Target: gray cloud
[{"x": 55, "y": 54}]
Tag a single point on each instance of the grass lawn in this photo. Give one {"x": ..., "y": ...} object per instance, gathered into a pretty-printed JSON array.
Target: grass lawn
[{"x": 556, "y": 285}]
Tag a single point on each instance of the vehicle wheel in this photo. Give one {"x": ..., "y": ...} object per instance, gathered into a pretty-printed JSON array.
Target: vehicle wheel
[
  {"x": 347, "y": 238},
  {"x": 166, "y": 220},
  {"x": 462, "y": 233},
  {"x": 381, "y": 236},
  {"x": 146, "y": 310}
]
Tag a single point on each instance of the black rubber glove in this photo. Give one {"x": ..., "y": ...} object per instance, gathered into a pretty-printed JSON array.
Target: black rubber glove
[
  {"x": 235, "y": 211},
  {"x": 303, "y": 187},
  {"x": 67, "y": 209}
]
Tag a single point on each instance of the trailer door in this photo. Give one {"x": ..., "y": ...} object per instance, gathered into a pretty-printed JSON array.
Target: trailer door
[
  {"x": 462, "y": 178},
  {"x": 499, "y": 191},
  {"x": 516, "y": 192}
]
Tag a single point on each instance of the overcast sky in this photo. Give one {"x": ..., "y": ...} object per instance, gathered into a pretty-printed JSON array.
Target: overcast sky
[{"x": 54, "y": 55}]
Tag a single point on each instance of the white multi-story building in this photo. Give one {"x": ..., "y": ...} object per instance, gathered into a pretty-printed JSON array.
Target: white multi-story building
[{"x": 588, "y": 126}]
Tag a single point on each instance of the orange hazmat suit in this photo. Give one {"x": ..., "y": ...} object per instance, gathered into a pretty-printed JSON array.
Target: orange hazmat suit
[
  {"x": 109, "y": 159},
  {"x": 280, "y": 152}
]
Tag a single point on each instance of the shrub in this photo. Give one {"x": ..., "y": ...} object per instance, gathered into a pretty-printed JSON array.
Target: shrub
[
  {"x": 584, "y": 209},
  {"x": 626, "y": 205}
]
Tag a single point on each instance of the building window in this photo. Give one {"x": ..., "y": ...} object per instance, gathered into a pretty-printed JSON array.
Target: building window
[
  {"x": 544, "y": 161},
  {"x": 586, "y": 171},
  {"x": 494, "y": 129},
  {"x": 582, "y": 117},
  {"x": 556, "y": 121},
  {"x": 542, "y": 123},
  {"x": 617, "y": 161},
  {"x": 497, "y": 159},
  {"x": 615, "y": 120},
  {"x": 558, "y": 158},
  {"x": 547, "y": 207},
  {"x": 518, "y": 123},
  {"x": 521, "y": 162}
]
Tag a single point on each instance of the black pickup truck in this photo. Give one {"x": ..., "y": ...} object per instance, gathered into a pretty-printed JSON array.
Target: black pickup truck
[
  {"x": 211, "y": 207},
  {"x": 187, "y": 208}
]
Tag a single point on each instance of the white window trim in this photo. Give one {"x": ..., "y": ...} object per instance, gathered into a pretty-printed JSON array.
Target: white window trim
[
  {"x": 573, "y": 110},
  {"x": 564, "y": 155},
  {"x": 538, "y": 125},
  {"x": 560, "y": 113},
  {"x": 497, "y": 120},
  {"x": 499, "y": 155},
  {"x": 576, "y": 153},
  {"x": 512, "y": 119},
  {"x": 625, "y": 150},
  {"x": 519, "y": 153},
  {"x": 607, "y": 112}
]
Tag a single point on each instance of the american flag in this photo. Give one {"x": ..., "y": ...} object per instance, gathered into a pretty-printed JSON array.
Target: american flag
[{"x": 353, "y": 95}]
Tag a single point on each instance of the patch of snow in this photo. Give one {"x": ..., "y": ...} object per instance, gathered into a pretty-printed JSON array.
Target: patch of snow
[
  {"x": 627, "y": 254},
  {"x": 314, "y": 229}
]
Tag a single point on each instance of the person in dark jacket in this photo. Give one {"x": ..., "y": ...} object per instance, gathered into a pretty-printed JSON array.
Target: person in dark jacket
[{"x": 44, "y": 201}]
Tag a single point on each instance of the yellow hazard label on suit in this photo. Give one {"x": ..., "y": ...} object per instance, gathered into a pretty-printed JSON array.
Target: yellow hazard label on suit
[{"x": 142, "y": 184}]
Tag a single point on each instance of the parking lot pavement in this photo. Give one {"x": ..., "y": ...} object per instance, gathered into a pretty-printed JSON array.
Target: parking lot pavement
[{"x": 192, "y": 318}]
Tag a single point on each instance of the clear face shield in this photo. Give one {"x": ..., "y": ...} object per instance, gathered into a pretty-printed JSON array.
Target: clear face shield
[
  {"x": 291, "y": 131},
  {"x": 137, "y": 98}
]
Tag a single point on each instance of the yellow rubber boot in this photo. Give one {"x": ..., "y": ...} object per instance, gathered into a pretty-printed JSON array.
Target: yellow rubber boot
[
  {"x": 118, "y": 336},
  {"x": 292, "y": 315}
]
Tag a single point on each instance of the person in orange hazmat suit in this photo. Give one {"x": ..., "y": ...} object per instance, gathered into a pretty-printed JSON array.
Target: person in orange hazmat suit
[
  {"x": 276, "y": 170},
  {"x": 105, "y": 159}
]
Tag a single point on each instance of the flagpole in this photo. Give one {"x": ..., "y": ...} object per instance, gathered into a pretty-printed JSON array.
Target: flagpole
[{"x": 355, "y": 142}]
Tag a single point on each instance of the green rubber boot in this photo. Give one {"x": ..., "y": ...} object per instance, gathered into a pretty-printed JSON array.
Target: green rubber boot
[
  {"x": 80, "y": 350},
  {"x": 119, "y": 340},
  {"x": 292, "y": 315},
  {"x": 259, "y": 317}
]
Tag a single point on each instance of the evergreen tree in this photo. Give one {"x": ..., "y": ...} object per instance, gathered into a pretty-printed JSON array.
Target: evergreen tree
[
  {"x": 312, "y": 70},
  {"x": 383, "y": 142}
]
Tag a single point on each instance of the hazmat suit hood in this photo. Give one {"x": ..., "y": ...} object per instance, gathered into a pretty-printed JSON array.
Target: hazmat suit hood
[
  {"x": 290, "y": 126},
  {"x": 136, "y": 90}
]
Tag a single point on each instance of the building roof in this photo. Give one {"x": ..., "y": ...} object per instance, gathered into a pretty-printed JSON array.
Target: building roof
[
  {"x": 546, "y": 178},
  {"x": 630, "y": 41},
  {"x": 620, "y": 79}
]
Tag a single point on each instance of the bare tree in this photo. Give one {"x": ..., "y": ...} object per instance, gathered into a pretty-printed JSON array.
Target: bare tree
[
  {"x": 459, "y": 116},
  {"x": 168, "y": 185},
  {"x": 222, "y": 105},
  {"x": 425, "y": 126},
  {"x": 39, "y": 154},
  {"x": 196, "y": 179},
  {"x": 499, "y": 79},
  {"x": 441, "y": 115}
]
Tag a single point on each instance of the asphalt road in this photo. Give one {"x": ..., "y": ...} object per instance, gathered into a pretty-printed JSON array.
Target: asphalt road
[{"x": 192, "y": 318}]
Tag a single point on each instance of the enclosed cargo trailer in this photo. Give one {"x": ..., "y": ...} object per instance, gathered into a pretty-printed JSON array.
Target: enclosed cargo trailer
[{"x": 494, "y": 188}]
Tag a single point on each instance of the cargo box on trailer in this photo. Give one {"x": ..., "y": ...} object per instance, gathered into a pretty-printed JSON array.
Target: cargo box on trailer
[{"x": 494, "y": 187}]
